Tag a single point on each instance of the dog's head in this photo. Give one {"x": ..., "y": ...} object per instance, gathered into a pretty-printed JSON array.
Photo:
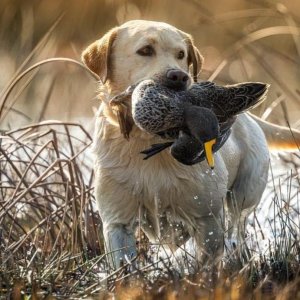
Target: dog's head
[{"x": 140, "y": 50}]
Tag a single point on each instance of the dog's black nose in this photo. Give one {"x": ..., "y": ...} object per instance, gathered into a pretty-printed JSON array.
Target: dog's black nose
[
  {"x": 177, "y": 76},
  {"x": 177, "y": 79}
]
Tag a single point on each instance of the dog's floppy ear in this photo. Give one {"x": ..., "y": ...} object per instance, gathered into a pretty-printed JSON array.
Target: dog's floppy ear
[
  {"x": 97, "y": 55},
  {"x": 194, "y": 57}
]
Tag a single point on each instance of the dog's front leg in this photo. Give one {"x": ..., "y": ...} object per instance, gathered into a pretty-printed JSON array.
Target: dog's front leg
[
  {"x": 209, "y": 237},
  {"x": 120, "y": 243},
  {"x": 118, "y": 210}
]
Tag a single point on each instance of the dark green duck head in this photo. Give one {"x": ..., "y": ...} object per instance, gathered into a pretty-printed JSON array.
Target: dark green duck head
[{"x": 202, "y": 124}]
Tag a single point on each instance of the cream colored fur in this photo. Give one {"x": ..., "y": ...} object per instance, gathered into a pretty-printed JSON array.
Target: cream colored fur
[{"x": 162, "y": 190}]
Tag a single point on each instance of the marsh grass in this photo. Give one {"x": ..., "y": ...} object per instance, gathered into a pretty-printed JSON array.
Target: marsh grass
[{"x": 50, "y": 232}]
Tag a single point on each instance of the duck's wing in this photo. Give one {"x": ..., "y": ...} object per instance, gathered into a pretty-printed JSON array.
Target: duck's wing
[
  {"x": 225, "y": 126},
  {"x": 232, "y": 100},
  {"x": 199, "y": 94}
]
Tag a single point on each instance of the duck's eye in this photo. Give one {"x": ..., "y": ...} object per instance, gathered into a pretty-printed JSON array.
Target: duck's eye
[
  {"x": 146, "y": 51},
  {"x": 180, "y": 54}
]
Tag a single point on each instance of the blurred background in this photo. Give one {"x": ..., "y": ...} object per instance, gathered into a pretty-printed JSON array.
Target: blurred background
[{"x": 241, "y": 41}]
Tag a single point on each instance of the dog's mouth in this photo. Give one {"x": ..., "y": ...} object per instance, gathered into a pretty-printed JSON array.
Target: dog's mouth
[{"x": 121, "y": 103}]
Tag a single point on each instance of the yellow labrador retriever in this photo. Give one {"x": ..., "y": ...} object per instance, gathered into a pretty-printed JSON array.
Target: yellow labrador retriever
[{"x": 161, "y": 190}]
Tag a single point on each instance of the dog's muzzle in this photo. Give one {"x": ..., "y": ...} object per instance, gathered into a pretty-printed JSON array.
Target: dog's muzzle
[{"x": 176, "y": 79}]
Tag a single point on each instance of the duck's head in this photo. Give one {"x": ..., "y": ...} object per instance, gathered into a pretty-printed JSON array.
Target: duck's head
[{"x": 203, "y": 124}]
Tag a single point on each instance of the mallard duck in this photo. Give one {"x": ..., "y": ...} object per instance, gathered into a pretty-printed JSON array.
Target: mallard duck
[{"x": 203, "y": 114}]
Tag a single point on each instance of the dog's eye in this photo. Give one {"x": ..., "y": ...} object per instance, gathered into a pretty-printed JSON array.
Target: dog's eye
[
  {"x": 146, "y": 51},
  {"x": 180, "y": 54}
]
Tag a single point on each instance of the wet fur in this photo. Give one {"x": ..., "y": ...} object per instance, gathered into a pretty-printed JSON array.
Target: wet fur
[{"x": 162, "y": 190}]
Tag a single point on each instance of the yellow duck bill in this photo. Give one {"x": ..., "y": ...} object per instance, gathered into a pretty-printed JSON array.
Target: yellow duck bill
[{"x": 209, "y": 153}]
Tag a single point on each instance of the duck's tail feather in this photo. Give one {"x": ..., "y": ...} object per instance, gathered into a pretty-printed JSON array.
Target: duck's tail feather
[{"x": 252, "y": 93}]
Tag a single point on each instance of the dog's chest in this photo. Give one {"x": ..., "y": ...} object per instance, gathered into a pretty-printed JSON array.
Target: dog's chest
[
  {"x": 166, "y": 184},
  {"x": 161, "y": 182}
]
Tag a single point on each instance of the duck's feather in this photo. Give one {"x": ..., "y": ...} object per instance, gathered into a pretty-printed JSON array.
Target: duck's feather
[{"x": 226, "y": 101}]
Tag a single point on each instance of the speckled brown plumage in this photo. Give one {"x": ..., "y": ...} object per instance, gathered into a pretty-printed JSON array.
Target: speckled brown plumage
[
  {"x": 190, "y": 117},
  {"x": 156, "y": 108}
]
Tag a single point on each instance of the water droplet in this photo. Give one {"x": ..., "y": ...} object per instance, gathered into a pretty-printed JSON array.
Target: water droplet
[
  {"x": 196, "y": 197},
  {"x": 211, "y": 233}
]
